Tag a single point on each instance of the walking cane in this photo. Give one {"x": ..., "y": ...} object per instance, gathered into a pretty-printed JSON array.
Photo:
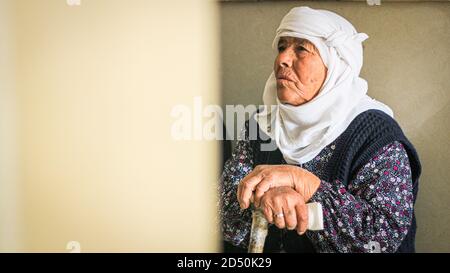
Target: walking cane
[{"x": 260, "y": 226}]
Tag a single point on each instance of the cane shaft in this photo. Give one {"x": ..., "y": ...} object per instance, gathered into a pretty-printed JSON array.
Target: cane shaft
[{"x": 258, "y": 232}]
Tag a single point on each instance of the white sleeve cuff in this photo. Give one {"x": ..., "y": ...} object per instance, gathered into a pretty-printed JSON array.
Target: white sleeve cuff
[{"x": 315, "y": 216}]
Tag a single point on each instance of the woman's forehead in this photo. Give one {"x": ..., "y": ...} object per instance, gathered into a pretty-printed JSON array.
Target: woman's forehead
[{"x": 287, "y": 39}]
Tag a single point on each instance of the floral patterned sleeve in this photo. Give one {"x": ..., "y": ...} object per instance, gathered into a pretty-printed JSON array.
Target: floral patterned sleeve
[
  {"x": 235, "y": 223},
  {"x": 373, "y": 212}
]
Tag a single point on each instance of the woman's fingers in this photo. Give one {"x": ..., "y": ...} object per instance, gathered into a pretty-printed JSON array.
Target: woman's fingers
[
  {"x": 245, "y": 186},
  {"x": 290, "y": 217},
  {"x": 262, "y": 179},
  {"x": 273, "y": 210},
  {"x": 302, "y": 218},
  {"x": 245, "y": 189},
  {"x": 239, "y": 190},
  {"x": 267, "y": 210},
  {"x": 286, "y": 209},
  {"x": 263, "y": 186},
  {"x": 269, "y": 181},
  {"x": 278, "y": 215}
]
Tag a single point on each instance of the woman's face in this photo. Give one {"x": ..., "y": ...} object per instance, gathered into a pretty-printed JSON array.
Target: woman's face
[{"x": 299, "y": 70}]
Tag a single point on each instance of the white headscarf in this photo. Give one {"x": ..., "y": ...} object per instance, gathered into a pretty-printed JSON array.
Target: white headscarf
[{"x": 301, "y": 132}]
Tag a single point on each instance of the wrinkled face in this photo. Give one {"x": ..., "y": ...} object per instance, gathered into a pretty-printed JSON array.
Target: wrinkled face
[{"x": 299, "y": 70}]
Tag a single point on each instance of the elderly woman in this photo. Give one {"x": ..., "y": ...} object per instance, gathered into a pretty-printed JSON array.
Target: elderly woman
[{"x": 334, "y": 145}]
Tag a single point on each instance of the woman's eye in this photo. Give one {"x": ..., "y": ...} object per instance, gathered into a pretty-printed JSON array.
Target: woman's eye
[
  {"x": 300, "y": 48},
  {"x": 281, "y": 48}
]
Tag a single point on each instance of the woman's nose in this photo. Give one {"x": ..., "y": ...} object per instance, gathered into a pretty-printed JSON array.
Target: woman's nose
[{"x": 286, "y": 57}]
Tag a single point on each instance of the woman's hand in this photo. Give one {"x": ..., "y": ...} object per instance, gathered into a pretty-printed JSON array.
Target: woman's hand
[
  {"x": 266, "y": 177},
  {"x": 286, "y": 208}
]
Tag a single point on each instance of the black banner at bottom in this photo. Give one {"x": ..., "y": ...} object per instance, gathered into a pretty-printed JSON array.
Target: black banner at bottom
[{"x": 215, "y": 262}]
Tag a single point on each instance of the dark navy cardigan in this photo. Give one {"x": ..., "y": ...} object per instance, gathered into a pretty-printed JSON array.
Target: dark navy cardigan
[{"x": 366, "y": 134}]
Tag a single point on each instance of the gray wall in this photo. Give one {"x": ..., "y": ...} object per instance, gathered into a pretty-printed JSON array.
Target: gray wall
[{"x": 407, "y": 65}]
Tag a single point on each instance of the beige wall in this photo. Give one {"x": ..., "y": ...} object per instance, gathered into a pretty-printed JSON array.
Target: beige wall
[
  {"x": 10, "y": 214},
  {"x": 88, "y": 99},
  {"x": 407, "y": 65}
]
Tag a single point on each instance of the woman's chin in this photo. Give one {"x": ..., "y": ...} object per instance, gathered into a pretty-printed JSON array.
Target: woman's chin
[{"x": 289, "y": 97}]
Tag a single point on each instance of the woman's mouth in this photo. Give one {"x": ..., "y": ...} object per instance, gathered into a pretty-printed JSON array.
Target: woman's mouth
[{"x": 284, "y": 77}]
